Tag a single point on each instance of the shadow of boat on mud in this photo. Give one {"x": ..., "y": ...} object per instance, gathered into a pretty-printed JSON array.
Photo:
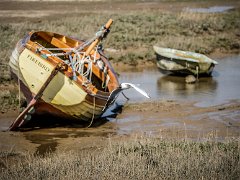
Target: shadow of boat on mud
[
  {"x": 46, "y": 130},
  {"x": 47, "y": 121}
]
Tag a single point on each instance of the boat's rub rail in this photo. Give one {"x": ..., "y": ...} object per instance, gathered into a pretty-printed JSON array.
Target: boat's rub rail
[{"x": 183, "y": 55}]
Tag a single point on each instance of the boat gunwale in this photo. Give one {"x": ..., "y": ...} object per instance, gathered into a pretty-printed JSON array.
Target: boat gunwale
[{"x": 167, "y": 52}]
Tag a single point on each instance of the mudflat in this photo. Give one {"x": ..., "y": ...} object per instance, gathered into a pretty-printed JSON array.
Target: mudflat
[{"x": 168, "y": 118}]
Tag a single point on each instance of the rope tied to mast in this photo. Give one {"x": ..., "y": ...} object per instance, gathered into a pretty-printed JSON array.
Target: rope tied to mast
[{"x": 80, "y": 60}]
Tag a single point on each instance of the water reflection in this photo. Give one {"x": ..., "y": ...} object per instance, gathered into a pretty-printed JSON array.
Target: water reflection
[
  {"x": 176, "y": 86},
  {"x": 213, "y": 9},
  {"x": 223, "y": 86}
]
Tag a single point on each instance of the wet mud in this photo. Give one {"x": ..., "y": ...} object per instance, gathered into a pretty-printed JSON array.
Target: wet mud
[
  {"x": 181, "y": 119},
  {"x": 169, "y": 119},
  {"x": 44, "y": 134}
]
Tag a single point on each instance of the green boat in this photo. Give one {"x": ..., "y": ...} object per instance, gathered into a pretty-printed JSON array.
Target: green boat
[{"x": 183, "y": 62}]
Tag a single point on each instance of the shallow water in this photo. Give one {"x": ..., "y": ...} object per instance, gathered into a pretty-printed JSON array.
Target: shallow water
[
  {"x": 213, "y": 9},
  {"x": 222, "y": 87}
]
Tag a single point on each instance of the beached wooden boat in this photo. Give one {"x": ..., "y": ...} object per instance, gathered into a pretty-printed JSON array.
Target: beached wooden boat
[
  {"x": 183, "y": 62},
  {"x": 64, "y": 76}
]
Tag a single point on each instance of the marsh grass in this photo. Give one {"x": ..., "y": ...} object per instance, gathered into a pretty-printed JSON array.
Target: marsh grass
[
  {"x": 134, "y": 158},
  {"x": 134, "y": 33},
  {"x": 9, "y": 97}
]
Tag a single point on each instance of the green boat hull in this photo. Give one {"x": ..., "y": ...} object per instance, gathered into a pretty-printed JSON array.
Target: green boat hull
[{"x": 183, "y": 62}]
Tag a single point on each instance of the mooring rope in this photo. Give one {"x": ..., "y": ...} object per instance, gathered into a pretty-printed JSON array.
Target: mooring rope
[
  {"x": 19, "y": 93},
  {"x": 125, "y": 96},
  {"x": 94, "y": 105},
  {"x": 197, "y": 72}
]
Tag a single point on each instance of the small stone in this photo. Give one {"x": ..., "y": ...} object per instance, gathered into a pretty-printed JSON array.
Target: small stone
[{"x": 190, "y": 79}]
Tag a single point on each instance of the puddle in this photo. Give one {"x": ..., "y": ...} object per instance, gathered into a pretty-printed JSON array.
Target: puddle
[
  {"x": 213, "y": 9},
  {"x": 46, "y": 132},
  {"x": 222, "y": 87},
  {"x": 47, "y": 140}
]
